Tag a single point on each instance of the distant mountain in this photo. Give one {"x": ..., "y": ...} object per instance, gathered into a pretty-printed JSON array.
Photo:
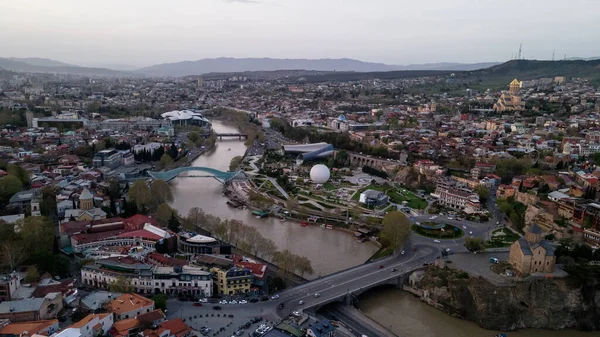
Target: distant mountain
[
  {"x": 233, "y": 65},
  {"x": 21, "y": 66},
  {"x": 42, "y": 62},
  {"x": 583, "y": 58}
]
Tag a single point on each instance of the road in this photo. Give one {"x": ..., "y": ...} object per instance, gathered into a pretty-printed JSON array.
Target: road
[{"x": 330, "y": 287}]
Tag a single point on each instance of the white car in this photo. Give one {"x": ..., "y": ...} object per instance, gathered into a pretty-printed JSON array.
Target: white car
[
  {"x": 450, "y": 218},
  {"x": 274, "y": 297},
  {"x": 233, "y": 302},
  {"x": 203, "y": 300},
  {"x": 402, "y": 252},
  {"x": 296, "y": 313},
  {"x": 436, "y": 241},
  {"x": 300, "y": 302},
  {"x": 223, "y": 302},
  {"x": 434, "y": 217},
  {"x": 317, "y": 295},
  {"x": 243, "y": 302},
  {"x": 471, "y": 232},
  {"x": 464, "y": 227}
]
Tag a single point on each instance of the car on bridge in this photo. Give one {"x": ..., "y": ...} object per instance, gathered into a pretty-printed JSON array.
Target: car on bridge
[
  {"x": 280, "y": 306},
  {"x": 317, "y": 295},
  {"x": 437, "y": 241},
  {"x": 300, "y": 302},
  {"x": 380, "y": 267}
]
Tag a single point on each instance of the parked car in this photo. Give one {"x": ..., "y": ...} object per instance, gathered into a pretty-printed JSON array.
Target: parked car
[
  {"x": 317, "y": 295},
  {"x": 216, "y": 307},
  {"x": 437, "y": 241},
  {"x": 300, "y": 302},
  {"x": 394, "y": 269},
  {"x": 223, "y": 302},
  {"x": 233, "y": 302},
  {"x": 296, "y": 313},
  {"x": 274, "y": 297},
  {"x": 203, "y": 300},
  {"x": 243, "y": 302}
]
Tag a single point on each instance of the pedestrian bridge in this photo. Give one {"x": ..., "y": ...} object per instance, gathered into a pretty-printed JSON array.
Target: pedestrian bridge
[{"x": 221, "y": 176}]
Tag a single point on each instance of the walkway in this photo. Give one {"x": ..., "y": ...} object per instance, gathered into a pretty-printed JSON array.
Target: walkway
[
  {"x": 278, "y": 187},
  {"x": 172, "y": 174}
]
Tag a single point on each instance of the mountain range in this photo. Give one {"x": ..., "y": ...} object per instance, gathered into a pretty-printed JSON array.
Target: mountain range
[
  {"x": 232, "y": 65},
  {"x": 225, "y": 65}
]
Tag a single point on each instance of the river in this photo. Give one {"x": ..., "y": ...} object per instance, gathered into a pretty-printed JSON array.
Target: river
[
  {"x": 328, "y": 250},
  {"x": 407, "y": 316}
]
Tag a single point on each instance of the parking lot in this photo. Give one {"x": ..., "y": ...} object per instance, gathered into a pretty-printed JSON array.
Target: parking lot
[
  {"x": 226, "y": 322},
  {"x": 479, "y": 265}
]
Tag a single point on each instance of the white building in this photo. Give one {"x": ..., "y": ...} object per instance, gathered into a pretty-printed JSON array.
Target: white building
[{"x": 89, "y": 326}]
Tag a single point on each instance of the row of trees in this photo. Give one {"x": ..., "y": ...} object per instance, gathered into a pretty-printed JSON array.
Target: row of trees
[
  {"x": 247, "y": 239},
  {"x": 148, "y": 197}
]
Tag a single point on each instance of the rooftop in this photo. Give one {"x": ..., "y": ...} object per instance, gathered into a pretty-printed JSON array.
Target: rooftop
[
  {"x": 26, "y": 305},
  {"x": 129, "y": 302},
  {"x": 33, "y": 327}
]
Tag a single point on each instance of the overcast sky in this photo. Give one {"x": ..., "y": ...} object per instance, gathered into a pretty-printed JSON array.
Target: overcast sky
[{"x": 145, "y": 32}]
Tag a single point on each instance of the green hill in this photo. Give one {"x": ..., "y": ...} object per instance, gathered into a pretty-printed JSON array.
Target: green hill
[{"x": 499, "y": 76}]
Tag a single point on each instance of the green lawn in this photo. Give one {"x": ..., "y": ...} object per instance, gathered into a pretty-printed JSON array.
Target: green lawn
[
  {"x": 381, "y": 253},
  {"x": 399, "y": 195},
  {"x": 448, "y": 233},
  {"x": 502, "y": 240}
]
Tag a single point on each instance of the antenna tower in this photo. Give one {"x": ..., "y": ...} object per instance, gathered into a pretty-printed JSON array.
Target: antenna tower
[
  {"x": 519, "y": 55},
  {"x": 553, "y": 51}
]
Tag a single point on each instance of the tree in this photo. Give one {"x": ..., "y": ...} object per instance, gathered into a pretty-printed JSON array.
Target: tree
[
  {"x": 140, "y": 194},
  {"x": 161, "y": 192},
  {"x": 194, "y": 136},
  {"x": 474, "y": 244},
  {"x": 235, "y": 162},
  {"x": 303, "y": 265},
  {"x": 166, "y": 161},
  {"x": 284, "y": 260},
  {"x": 13, "y": 253},
  {"x": 37, "y": 234},
  {"x": 33, "y": 275},
  {"x": 160, "y": 301},
  {"x": 174, "y": 223},
  {"x": 194, "y": 219},
  {"x": 396, "y": 229},
  {"x": 19, "y": 172},
  {"x": 120, "y": 285},
  {"x": 100, "y": 145},
  {"x": 163, "y": 214},
  {"x": 9, "y": 185},
  {"x": 483, "y": 193}
]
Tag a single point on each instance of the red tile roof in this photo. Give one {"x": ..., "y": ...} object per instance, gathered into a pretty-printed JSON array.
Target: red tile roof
[
  {"x": 258, "y": 270},
  {"x": 141, "y": 233},
  {"x": 138, "y": 221}
]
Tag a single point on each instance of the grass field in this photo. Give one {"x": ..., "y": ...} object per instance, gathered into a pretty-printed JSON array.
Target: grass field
[
  {"x": 399, "y": 195},
  {"x": 502, "y": 240}
]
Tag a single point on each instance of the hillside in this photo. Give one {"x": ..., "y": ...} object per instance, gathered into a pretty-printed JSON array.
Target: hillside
[
  {"x": 42, "y": 62},
  {"x": 20, "y": 66},
  {"x": 503, "y": 73}
]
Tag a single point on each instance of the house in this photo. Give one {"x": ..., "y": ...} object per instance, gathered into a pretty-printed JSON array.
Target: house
[
  {"x": 135, "y": 325},
  {"x": 44, "y": 327},
  {"x": 171, "y": 328},
  {"x": 373, "y": 198},
  {"x": 130, "y": 305},
  {"x": 532, "y": 254},
  {"x": 321, "y": 329},
  {"x": 231, "y": 281},
  {"x": 90, "y": 326},
  {"x": 505, "y": 191},
  {"x": 32, "y": 309}
]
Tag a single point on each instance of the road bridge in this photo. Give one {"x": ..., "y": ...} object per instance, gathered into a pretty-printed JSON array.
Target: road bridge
[
  {"x": 220, "y": 176},
  {"x": 239, "y": 135}
]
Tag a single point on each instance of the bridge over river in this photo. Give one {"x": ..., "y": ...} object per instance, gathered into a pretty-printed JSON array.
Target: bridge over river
[{"x": 221, "y": 176}]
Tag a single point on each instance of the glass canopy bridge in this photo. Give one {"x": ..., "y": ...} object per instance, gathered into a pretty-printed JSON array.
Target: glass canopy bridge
[{"x": 204, "y": 172}]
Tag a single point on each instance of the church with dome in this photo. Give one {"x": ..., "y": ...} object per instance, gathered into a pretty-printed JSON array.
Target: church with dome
[
  {"x": 532, "y": 254},
  {"x": 511, "y": 100}
]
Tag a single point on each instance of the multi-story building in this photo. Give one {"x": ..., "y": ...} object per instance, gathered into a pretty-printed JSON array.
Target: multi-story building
[
  {"x": 451, "y": 194},
  {"x": 147, "y": 278},
  {"x": 188, "y": 243},
  {"x": 236, "y": 280},
  {"x": 108, "y": 158},
  {"x": 9, "y": 283}
]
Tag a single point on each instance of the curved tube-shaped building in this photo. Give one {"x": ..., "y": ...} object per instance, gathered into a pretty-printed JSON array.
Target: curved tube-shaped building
[{"x": 310, "y": 151}]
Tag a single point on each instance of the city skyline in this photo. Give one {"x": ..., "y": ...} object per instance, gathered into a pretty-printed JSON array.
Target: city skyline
[{"x": 143, "y": 33}]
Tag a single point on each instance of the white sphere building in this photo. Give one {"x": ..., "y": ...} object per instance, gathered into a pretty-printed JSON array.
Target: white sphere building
[{"x": 319, "y": 174}]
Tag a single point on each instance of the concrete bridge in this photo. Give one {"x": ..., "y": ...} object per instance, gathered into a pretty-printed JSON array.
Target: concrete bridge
[{"x": 239, "y": 135}]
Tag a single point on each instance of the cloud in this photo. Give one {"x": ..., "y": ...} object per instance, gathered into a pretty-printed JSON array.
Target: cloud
[{"x": 244, "y": 1}]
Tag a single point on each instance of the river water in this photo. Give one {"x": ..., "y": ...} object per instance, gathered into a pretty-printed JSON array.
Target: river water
[
  {"x": 406, "y": 316},
  {"x": 328, "y": 250}
]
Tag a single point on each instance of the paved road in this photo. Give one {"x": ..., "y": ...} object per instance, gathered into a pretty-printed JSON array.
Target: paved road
[{"x": 329, "y": 287}]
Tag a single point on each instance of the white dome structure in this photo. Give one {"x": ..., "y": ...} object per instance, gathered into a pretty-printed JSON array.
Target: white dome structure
[{"x": 319, "y": 174}]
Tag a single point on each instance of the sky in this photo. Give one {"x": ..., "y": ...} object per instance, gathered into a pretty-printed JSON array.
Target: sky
[{"x": 145, "y": 32}]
